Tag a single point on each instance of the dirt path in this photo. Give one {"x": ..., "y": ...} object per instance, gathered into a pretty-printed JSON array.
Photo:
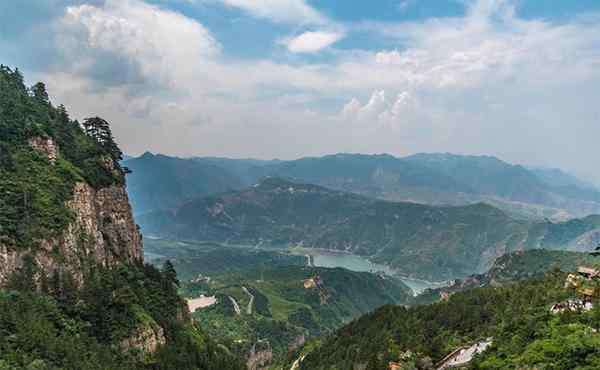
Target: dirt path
[{"x": 249, "y": 308}]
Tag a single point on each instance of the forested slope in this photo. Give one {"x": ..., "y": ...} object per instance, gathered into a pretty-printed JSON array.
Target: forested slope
[{"x": 74, "y": 290}]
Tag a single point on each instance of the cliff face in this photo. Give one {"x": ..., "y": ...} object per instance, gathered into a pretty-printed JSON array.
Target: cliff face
[
  {"x": 103, "y": 232},
  {"x": 146, "y": 339}
]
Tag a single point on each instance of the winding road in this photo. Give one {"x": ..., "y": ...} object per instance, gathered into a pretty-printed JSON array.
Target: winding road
[
  {"x": 249, "y": 308},
  {"x": 236, "y": 307}
]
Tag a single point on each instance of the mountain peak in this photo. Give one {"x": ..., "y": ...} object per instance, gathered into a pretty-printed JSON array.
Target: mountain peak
[{"x": 147, "y": 155}]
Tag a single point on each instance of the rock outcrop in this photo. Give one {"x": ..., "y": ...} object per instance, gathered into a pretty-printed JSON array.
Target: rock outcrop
[
  {"x": 260, "y": 355},
  {"x": 145, "y": 339},
  {"x": 46, "y": 146},
  {"x": 103, "y": 232}
]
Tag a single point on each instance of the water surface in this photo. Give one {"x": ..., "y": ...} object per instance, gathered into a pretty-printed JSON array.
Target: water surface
[{"x": 353, "y": 262}]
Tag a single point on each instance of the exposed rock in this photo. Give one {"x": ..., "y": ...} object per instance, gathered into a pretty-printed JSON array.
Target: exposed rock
[
  {"x": 586, "y": 242},
  {"x": 103, "y": 232},
  {"x": 146, "y": 339},
  {"x": 260, "y": 355},
  {"x": 296, "y": 343},
  {"x": 46, "y": 146}
]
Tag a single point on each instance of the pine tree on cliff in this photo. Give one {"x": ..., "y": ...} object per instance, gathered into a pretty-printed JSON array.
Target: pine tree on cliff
[
  {"x": 99, "y": 129},
  {"x": 170, "y": 274},
  {"x": 40, "y": 93}
]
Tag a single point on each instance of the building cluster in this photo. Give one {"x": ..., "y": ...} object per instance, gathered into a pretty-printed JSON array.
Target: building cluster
[
  {"x": 462, "y": 356},
  {"x": 585, "y": 282}
]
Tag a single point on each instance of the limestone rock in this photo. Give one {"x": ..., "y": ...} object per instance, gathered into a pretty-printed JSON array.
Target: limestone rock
[
  {"x": 103, "y": 232},
  {"x": 145, "y": 339},
  {"x": 46, "y": 146}
]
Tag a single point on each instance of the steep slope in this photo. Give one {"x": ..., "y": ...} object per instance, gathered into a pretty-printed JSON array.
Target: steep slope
[
  {"x": 74, "y": 292},
  {"x": 514, "y": 267},
  {"x": 419, "y": 240},
  {"x": 517, "y": 318},
  {"x": 161, "y": 182},
  {"x": 64, "y": 202}
]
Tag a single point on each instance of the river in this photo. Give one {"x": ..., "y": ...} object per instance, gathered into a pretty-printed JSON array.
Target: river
[{"x": 323, "y": 258}]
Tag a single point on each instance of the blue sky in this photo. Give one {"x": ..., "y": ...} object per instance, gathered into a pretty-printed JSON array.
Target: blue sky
[{"x": 518, "y": 79}]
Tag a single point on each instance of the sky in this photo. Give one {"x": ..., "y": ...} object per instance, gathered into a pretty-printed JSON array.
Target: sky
[{"x": 517, "y": 79}]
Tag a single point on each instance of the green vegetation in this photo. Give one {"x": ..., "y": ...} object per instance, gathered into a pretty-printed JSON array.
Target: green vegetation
[
  {"x": 430, "y": 242},
  {"x": 535, "y": 263},
  {"x": 284, "y": 309},
  {"x": 434, "y": 243},
  {"x": 193, "y": 258},
  {"x": 517, "y": 316},
  {"x": 78, "y": 316},
  {"x": 558, "y": 235},
  {"x": 515, "y": 267},
  {"x": 34, "y": 192},
  {"x": 63, "y": 327}
]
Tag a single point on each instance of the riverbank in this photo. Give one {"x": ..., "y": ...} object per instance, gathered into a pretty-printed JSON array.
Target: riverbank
[{"x": 336, "y": 258}]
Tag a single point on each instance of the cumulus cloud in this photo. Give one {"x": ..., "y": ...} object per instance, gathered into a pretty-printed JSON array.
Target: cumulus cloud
[
  {"x": 150, "y": 44},
  {"x": 312, "y": 41},
  {"x": 283, "y": 11},
  {"x": 380, "y": 110},
  {"x": 488, "y": 82}
]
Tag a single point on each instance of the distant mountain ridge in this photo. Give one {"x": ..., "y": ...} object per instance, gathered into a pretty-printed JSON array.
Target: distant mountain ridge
[
  {"x": 162, "y": 182},
  {"x": 432, "y": 242},
  {"x": 437, "y": 179}
]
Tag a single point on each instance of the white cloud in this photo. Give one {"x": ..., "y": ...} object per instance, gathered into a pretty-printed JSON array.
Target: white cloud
[
  {"x": 157, "y": 45},
  {"x": 379, "y": 109},
  {"x": 403, "y": 5},
  {"x": 487, "y": 82},
  {"x": 282, "y": 11},
  {"x": 312, "y": 41}
]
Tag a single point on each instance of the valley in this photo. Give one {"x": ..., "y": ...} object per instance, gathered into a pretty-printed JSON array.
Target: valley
[
  {"x": 299, "y": 185},
  {"x": 416, "y": 241},
  {"x": 243, "y": 295},
  {"x": 274, "y": 269}
]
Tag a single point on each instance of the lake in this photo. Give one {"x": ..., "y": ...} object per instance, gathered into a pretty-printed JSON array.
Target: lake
[{"x": 321, "y": 258}]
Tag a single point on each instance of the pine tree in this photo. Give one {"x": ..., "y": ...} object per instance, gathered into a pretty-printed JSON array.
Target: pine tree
[
  {"x": 40, "y": 93},
  {"x": 99, "y": 129},
  {"x": 170, "y": 274}
]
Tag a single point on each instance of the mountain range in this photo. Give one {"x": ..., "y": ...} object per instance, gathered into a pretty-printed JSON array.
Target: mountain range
[
  {"x": 162, "y": 182},
  {"x": 431, "y": 242}
]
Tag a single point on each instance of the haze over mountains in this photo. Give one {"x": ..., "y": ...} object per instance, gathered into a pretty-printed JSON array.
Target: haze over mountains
[
  {"x": 162, "y": 182},
  {"x": 431, "y": 242}
]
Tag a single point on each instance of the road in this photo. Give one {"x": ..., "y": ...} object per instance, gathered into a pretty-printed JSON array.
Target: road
[
  {"x": 236, "y": 307},
  {"x": 249, "y": 308}
]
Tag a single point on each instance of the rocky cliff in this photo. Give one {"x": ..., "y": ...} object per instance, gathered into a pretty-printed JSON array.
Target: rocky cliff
[{"x": 102, "y": 232}]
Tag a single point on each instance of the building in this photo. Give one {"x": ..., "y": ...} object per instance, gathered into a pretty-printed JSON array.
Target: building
[
  {"x": 588, "y": 272},
  {"x": 310, "y": 283},
  {"x": 573, "y": 305},
  {"x": 463, "y": 355}
]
